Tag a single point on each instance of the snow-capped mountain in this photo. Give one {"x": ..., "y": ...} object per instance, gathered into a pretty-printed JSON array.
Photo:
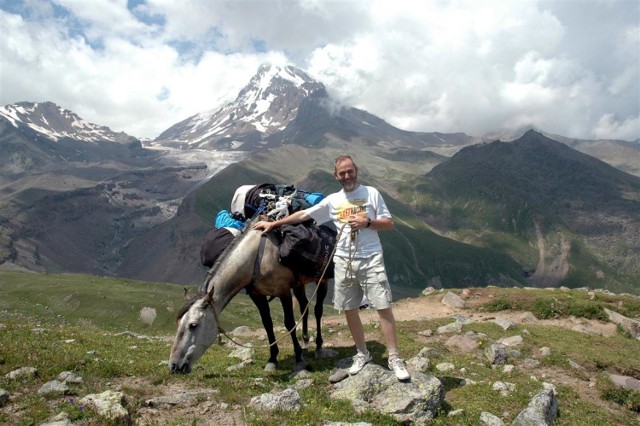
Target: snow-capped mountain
[
  {"x": 56, "y": 123},
  {"x": 284, "y": 105},
  {"x": 267, "y": 105}
]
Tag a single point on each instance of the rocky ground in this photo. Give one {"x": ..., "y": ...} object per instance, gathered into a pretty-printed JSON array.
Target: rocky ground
[{"x": 195, "y": 403}]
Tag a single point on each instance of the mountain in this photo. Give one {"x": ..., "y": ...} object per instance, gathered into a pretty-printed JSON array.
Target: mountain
[
  {"x": 57, "y": 123},
  {"x": 283, "y": 105},
  {"x": 468, "y": 212},
  {"x": 576, "y": 215},
  {"x": 73, "y": 193}
]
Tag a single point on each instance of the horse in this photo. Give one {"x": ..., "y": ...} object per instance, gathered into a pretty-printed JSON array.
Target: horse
[{"x": 251, "y": 262}]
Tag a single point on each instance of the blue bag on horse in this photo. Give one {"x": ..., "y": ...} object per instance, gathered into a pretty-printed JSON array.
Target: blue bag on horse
[
  {"x": 314, "y": 198},
  {"x": 224, "y": 219}
]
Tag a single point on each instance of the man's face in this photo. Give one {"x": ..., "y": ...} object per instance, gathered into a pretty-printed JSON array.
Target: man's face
[{"x": 347, "y": 175}]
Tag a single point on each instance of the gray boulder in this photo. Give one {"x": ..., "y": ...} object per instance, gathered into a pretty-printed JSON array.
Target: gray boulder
[
  {"x": 542, "y": 409},
  {"x": 416, "y": 401}
]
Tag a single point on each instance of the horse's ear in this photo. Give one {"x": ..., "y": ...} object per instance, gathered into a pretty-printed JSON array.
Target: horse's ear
[{"x": 187, "y": 294}]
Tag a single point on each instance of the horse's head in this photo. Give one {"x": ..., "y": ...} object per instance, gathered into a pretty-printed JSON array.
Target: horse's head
[{"x": 197, "y": 330}]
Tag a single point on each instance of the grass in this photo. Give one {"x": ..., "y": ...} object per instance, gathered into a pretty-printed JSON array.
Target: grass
[{"x": 42, "y": 327}]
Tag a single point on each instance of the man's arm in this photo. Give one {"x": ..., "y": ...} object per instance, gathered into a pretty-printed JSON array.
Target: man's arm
[{"x": 294, "y": 218}]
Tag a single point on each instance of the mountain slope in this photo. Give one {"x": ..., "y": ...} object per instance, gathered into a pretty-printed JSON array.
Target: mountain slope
[
  {"x": 563, "y": 214},
  {"x": 415, "y": 256}
]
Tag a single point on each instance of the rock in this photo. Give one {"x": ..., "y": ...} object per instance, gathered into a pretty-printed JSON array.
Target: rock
[
  {"x": 107, "y": 404},
  {"x": 417, "y": 401},
  {"x": 418, "y": 363},
  {"x": 464, "y": 343},
  {"x": 631, "y": 326},
  {"x": 454, "y": 327},
  {"x": 511, "y": 341},
  {"x": 242, "y": 352},
  {"x": 429, "y": 290},
  {"x": 60, "y": 419},
  {"x": 530, "y": 363},
  {"x": 508, "y": 369},
  {"x": 462, "y": 319},
  {"x": 625, "y": 382},
  {"x": 287, "y": 400},
  {"x": 453, "y": 301},
  {"x": 338, "y": 376},
  {"x": 496, "y": 354},
  {"x": 69, "y": 377},
  {"x": 505, "y": 388},
  {"x": 542, "y": 409},
  {"x": 527, "y": 317},
  {"x": 181, "y": 398},
  {"x": 4, "y": 397},
  {"x": 302, "y": 384},
  {"x": 22, "y": 373},
  {"x": 426, "y": 333},
  {"x": 504, "y": 324},
  {"x": 54, "y": 387},
  {"x": 455, "y": 413},
  {"x": 300, "y": 375},
  {"x": 241, "y": 330},
  {"x": 489, "y": 419},
  {"x": 545, "y": 351},
  {"x": 428, "y": 353},
  {"x": 443, "y": 367}
]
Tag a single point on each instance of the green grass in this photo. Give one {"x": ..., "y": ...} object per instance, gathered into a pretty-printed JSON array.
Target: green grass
[{"x": 44, "y": 328}]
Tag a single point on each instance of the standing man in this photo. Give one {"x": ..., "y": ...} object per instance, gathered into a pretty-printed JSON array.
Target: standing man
[{"x": 360, "y": 212}]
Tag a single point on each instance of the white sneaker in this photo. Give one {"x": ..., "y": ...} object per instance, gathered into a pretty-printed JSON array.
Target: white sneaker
[
  {"x": 398, "y": 367},
  {"x": 359, "y": 361}
]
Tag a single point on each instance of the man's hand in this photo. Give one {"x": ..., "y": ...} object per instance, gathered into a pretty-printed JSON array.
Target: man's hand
[
  {"x": 358, "y": 222},
  {"x": 264, "y": 225}
]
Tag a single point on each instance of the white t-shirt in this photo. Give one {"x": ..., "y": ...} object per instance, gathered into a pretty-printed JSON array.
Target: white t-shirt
[{"x": 364, "y": 201}]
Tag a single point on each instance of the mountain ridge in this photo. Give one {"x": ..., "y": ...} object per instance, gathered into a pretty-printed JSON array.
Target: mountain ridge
[{"x": 141, "y": 210}]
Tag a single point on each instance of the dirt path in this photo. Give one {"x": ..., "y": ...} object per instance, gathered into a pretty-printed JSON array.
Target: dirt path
[{"x": 430, "y": 307}]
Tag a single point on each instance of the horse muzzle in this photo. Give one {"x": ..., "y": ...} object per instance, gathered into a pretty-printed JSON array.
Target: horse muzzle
[{"x": 180, "y": 369}]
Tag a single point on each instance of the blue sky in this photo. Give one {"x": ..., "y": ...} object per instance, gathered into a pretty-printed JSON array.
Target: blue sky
[{"x": 483, "y": 67}]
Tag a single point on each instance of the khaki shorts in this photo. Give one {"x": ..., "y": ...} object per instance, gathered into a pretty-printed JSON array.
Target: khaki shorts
[{"x": 366, "y": 277}]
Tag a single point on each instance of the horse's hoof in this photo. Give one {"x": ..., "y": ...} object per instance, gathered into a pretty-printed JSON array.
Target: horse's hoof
[
  {"x": 300, "y": 366},
  {"x": 325, "y": 353},
  {"x": 270, "y": 367}
]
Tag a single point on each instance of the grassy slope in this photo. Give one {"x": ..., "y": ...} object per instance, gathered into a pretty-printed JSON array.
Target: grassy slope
[{"x": 77, "y": 334}]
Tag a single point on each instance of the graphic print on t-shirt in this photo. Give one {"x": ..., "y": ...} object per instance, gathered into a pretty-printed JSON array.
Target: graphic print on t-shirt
[{"x": 352, "y": 208}]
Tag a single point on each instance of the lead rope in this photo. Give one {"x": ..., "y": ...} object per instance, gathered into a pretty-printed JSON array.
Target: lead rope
[
  {"x": 221, "y": 330},
  {"x": 353, "y": 248}
]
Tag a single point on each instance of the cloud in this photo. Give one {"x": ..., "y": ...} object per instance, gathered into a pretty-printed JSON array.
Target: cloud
[{"x": 477, "y": 67}]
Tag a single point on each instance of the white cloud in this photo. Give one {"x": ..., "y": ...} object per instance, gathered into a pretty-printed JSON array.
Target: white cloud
[{"x": 477, "y": 67}]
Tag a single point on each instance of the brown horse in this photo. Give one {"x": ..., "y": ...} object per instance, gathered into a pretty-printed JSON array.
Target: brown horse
[{"x": 250, "y": 262}]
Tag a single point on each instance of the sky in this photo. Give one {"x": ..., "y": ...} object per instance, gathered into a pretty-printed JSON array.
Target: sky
[{"x": 482, "y": 67}]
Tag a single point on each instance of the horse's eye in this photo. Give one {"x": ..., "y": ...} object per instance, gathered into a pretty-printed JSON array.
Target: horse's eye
[{"x": 193, "y": 325}]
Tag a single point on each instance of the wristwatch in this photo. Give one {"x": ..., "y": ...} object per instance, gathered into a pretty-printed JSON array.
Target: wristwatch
[{"x": 368, "y": 222}]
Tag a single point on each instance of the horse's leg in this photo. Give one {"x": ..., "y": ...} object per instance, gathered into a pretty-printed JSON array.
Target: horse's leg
[
  {"x": 265, "y": 314},
  {"x": 301, "y": 296},
  {"x": 321, "y": 294},
  {"x": 290, "y": 323}
]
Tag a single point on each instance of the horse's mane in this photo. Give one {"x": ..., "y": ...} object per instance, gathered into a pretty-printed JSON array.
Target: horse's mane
[
  {"x": 231, "y": 247},
  {"x": 217, "y": 265}
]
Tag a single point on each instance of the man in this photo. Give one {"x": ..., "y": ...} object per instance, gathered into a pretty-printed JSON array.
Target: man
[{"x": 360, "y": 212}]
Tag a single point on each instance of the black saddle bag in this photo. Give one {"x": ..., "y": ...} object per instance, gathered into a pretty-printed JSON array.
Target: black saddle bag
[{"x": 306, "y": 248}]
